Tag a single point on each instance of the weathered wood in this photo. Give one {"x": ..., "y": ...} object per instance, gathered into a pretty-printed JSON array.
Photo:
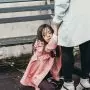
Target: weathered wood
[
  {"x": 12, "y": 41},
  {"x": 17, "y": 40},
  {"x": 27, "y": 8},
  {"x": 24, "y": 39},
  {"x": 13, "y": 1},
  {"x": 25, "y": 18}
]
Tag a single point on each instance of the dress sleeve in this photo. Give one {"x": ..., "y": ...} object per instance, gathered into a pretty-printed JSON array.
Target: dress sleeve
[
  {"x": 39, "y": 47},
  {"x": 60, "y": 9},
  {"x": 52, "y": 44}
]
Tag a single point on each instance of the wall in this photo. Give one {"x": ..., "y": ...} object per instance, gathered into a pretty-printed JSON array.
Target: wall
[{"x": 17, "y": 29}]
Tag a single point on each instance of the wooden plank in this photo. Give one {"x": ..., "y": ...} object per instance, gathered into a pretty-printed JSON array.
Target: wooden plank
[
  {"x": 26, "y": 8},
  {"x": 48, "y": 2},
  {"x": 24, "y": 19},
  {"x": 17, "y": 40},
  {"x": 13, "y": 1}
]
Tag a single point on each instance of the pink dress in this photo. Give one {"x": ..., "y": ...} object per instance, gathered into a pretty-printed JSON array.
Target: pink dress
[{"x": 41, "y": 63}]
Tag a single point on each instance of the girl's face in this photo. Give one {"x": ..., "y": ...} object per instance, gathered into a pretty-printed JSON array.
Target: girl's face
[{"x": 47, "y": 34}]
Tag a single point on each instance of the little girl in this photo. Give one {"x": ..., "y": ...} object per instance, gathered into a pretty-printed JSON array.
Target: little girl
[{"x": 46, "y": 58}]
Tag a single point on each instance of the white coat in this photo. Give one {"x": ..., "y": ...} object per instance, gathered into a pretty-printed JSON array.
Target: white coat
[{"x": 75, "y": 18}]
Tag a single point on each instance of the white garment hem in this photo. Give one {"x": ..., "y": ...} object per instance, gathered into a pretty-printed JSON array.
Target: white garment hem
[{"x": 73, "y": 44}]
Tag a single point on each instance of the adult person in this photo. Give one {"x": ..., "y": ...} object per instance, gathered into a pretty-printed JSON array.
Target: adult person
[{"x": 72, "y": 18}]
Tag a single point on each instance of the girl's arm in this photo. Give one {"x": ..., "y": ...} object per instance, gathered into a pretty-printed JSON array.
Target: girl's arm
[
  {"x": 39, "y": 46},
  {"x": 52, "y": 43},
  {"x": 60, "y": 9}
]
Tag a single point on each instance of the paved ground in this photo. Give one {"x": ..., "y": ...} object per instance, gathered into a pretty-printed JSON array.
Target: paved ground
[{"x": 10, "y": 77}]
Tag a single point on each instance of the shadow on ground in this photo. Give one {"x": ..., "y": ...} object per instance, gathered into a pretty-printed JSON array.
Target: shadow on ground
[{"x": 9, "y": 79}]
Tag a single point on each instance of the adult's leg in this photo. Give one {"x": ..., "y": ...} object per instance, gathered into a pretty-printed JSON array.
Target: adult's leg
[
  {"x": 67, "y": 63},
  {"x": 85, "y": 65},
  {"x": 85, "y": 59},
  {"x": 67, "y": 68}
]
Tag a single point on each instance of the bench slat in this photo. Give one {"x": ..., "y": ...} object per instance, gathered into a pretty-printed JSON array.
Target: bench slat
[
  {"x": 27, "y": 8},
  {"x": 13, "y": 1},
  {"x": 17, "y": 40},
  {"x": 25, "y": 18}
]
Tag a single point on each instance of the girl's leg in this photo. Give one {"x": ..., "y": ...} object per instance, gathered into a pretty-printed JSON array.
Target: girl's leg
[
  {"x": 45, "y": 85},
  {"x": 85, "y": 65},
  {"x": 67, "y": 67},
  {"x": 22, "y": 87}
]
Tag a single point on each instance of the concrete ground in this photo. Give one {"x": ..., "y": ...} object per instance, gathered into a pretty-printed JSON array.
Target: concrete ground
[{"x": 10, "y": 77}]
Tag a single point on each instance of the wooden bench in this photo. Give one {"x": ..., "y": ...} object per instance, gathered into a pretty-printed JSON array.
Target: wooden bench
[{"x": 22, "y": 39}]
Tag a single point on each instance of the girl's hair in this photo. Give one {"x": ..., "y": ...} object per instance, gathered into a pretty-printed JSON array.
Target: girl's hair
[
  {"x": 40, "y": 37},
  {"x": 40, "y": 29}
]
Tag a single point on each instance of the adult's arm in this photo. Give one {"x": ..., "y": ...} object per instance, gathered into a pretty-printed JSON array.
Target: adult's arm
[{"x": 60, "y": 9}]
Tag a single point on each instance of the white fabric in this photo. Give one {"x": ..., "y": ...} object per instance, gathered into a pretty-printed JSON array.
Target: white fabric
[
  {"x": 85, "y": 83},
  {"x": 79, "y": 87},
  {"x": 54, "y": 37},
  {"x": 75, "y": 15},
  {"x": 68, "y": 85}
]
